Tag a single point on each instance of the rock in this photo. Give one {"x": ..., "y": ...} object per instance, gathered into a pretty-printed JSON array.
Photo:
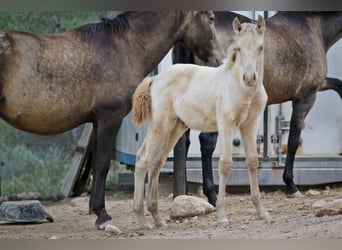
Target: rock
[
  {"x": 189, "y": 206},
  {"x": 27, "y": 196},
  {"x": 54, "y": 237},
  {"x": 321, "y": 208},
  {"x": 3, "y": 198},
  {"x": 313, "y": 192},
  {"x": 200, "y": 191},
  {"x": 111, "y": 228}
]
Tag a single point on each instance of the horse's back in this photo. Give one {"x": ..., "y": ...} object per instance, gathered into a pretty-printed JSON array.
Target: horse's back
[
  {"x": 184, "y": 79},
  {"x": 191, "y": 93}
]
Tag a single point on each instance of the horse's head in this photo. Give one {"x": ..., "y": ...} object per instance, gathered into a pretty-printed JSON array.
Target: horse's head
[
  {"x": 247, "y": 50},
  {"x": 199, "y": 36}
]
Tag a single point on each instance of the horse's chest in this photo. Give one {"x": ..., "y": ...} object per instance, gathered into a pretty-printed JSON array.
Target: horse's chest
[
  {"x": 240, "y": 113},
  {"x": 235, "y": 113}
]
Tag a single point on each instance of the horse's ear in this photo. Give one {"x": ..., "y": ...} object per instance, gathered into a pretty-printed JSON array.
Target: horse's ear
[
  {"x": 237, "y": 25},
  {"x": 261, "y": 24},
  {"x": 231, "y": 55}
]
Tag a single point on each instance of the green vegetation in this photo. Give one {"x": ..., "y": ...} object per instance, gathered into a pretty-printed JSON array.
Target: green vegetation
[
  {"x": 31, "y": 163},
  {"x": 48, "y": 21}
]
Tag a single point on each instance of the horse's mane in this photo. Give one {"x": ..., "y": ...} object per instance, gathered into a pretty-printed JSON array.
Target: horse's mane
[{"x": 117, "y": 26}]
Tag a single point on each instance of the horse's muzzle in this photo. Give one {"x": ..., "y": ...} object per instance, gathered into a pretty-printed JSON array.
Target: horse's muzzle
[{"x": 250, "y": 79}]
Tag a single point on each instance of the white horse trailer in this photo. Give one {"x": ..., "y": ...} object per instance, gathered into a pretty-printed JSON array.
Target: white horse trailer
[{"x": 318, "y": 159}]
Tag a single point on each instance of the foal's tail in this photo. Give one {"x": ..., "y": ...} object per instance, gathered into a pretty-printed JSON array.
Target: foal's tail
[{"x": 142, "y": 101}]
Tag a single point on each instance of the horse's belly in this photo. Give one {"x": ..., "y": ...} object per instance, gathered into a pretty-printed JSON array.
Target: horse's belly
[
  {"x": 41, "y": 121},
  {"x": 203, "y": 125},
  {"x": 199, "y": 116}
]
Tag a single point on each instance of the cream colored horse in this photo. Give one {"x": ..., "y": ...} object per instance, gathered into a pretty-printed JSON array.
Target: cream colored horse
[{"x": 221, "y": 99}]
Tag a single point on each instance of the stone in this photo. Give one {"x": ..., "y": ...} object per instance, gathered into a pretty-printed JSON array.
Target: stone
[
  {"x": 189, "y": 206},
  {"x": 28, "y": 196},
  {"x": 321, "y": 208},
  {"x": 312, "y": 192}
]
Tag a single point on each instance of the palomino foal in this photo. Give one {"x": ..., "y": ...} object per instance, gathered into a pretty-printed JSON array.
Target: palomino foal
[{"x": 222, "y": 99}]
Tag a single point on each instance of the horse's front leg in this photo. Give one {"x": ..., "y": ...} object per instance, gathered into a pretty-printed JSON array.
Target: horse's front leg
[
  {"x": 225, "y": 166},
  {"x": 208, "y": 143},
  {"x": 248, "y": 136},
  {"x": 105, "y": 134},
  {"x": 300, "y": 109}
]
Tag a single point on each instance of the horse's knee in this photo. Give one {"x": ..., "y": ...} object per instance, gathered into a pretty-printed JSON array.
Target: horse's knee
[
  {"x": 152, "y": 205},
  {"x": 141, "y": 165},
  {"x": 252, "y": 163},
  {"x": 255, "y": 199},
  {"x": 225, "y": 167}
]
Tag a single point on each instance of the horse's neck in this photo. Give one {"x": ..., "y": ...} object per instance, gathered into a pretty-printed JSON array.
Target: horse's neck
[
  {"x": 331, "y": 27},
  {"x": 153, "y": 41}
]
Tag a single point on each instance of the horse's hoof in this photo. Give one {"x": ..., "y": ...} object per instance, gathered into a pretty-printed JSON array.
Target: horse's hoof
[
  {"x": 161, "y": 224},
  {"x": 223, "y": 222},
  {"x": 146, "y": 226},
  {"x": 212, "y": 200},
  {"x": 109, "y": 226},
  {"x": 297, "y": 194},
  {"x": 266, "y": 217}
]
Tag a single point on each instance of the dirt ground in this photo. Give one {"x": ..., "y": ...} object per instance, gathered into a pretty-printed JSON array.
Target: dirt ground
[{"x": 293, "y": 218}]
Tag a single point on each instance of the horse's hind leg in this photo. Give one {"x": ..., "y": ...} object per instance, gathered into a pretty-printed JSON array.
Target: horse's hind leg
[
  {"x": 147, "y": 156},
  {"x": 248, "y": 136},
  {"x": 151, "y": 156},
  {"x": 140, "y": 171},
  {"x": 152, "y": 199},
  {"x": 208, "y": 143},
  {"x": 300, "y": 109}
]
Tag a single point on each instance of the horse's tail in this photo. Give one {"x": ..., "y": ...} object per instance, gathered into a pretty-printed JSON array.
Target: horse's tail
[
  {"x": 333, "y": 84},
  {"x": 5, "y": 53},
  {"x": 142, "y": 101}
]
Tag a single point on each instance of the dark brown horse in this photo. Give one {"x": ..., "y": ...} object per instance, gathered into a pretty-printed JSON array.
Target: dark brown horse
[
  {"x": 296, "y": 44},
  {"x": 53, "y": 83}
]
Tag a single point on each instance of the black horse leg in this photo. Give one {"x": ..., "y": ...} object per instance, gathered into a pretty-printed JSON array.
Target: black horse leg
[
  {"x": 103, "y": 148},
  {"x": 187, "y": 141},
  {"x": 301, "y": 108},
  {"x": 208, "y": 144}
]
